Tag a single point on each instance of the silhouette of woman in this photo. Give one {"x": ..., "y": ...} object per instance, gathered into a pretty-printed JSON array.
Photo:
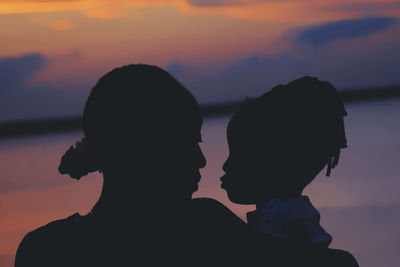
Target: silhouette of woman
[
  {"x": 142, "y": 131},
  {"x": 278, "y": 143}
]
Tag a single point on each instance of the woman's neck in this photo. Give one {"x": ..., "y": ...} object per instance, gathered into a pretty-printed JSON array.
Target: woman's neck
[
  {"x": 267, "y": 197},
  {"x": 120, "y": 196}
]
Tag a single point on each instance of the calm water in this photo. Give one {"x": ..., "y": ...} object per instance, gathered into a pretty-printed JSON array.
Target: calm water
[{"x": 359, "y": 203}]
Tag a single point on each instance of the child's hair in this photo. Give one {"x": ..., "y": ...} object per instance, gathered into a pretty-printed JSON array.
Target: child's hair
[{"x": 301, "y": 121}]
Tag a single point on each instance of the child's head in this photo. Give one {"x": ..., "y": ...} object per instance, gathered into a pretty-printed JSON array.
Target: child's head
[{"x": 281, "y": 140}]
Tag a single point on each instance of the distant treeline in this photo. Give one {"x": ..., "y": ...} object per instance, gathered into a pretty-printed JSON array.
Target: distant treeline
[{"x": 24, "y": 128}]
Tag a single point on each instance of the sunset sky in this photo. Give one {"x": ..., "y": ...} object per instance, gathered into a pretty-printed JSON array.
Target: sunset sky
[{"x": 53, "y": 52}]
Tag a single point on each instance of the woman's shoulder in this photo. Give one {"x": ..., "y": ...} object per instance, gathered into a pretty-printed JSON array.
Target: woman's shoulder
[
  {"x": 221, "y": 231},
  {"x": 208, "y": 203},
  {"x": 216, "y": 211},
  {"x": 46, "y": 238},
  {"x": 55, "y": 229}
]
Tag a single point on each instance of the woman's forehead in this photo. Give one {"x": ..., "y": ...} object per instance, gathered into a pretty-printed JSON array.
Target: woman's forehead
[{"x": 188, "y": 127}]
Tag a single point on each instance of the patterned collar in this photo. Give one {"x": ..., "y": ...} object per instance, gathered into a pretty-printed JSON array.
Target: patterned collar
[{"x": 290, "y": 221}]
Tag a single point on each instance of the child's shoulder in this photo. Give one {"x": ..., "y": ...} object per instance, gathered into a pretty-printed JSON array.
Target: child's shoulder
[{"x": 337, "y": 257}]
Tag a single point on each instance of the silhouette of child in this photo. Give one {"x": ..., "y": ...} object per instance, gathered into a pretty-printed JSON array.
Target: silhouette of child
[{"x": 278, "y": 143}]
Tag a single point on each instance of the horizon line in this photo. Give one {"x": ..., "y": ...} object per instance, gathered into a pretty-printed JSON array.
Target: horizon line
[{"x": 23, "y": 128}]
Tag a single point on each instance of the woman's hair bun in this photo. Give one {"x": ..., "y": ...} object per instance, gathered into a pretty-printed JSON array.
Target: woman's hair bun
[{"x": 76, "y": 164}]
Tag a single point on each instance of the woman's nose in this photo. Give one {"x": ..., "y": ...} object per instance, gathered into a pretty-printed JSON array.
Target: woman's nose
[{"x": 226, "y": 165}]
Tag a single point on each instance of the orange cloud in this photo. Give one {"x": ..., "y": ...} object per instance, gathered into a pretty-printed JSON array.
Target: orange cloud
[
  {"x": 282, "y": 11},
  {"x": 61, "y": 25},
  {"x": 55, "y": 24}
]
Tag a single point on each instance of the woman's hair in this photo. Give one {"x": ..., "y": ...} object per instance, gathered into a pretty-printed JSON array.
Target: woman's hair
[
  {"x": 302, "y": 121},
  {"x": 129, "y": 106}
]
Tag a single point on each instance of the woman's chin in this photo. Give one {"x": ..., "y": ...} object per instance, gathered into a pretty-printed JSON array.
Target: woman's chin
[
  {"x": 195, "y": 188},
  {"x": 236, "y": 197}
]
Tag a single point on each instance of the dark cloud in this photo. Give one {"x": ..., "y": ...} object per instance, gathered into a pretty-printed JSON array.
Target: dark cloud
[
  {"x": 345, "y": 29},
  {"x": 361, "y": 64},
  {"x": 254, "y": 75},
  {"x": 43, "y": 101},
  {"x": 21, "y": 100},
  {"x": 15, "y": 71},
  {"x": 250, "y": 76}
]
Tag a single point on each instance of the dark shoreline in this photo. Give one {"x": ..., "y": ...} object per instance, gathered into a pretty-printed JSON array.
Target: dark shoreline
[{"x": 73, "y": 123}]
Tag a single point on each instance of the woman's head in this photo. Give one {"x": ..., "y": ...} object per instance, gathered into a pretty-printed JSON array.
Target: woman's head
[
  {"x": 281, "y": 140},
  {"x": 139, "y": 120}
]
